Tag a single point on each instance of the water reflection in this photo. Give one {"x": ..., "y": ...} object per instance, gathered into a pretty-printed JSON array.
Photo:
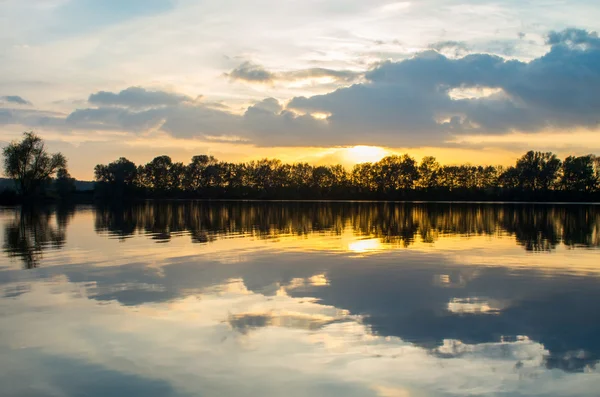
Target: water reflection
[
  {"x": 536, "y": 228},
  {"x": 33, "y": 230},
  {"x": 356, "y": 299}
]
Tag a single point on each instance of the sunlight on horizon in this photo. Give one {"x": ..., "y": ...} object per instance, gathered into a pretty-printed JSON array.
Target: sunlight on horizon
[{"x": 364, "y": 154}]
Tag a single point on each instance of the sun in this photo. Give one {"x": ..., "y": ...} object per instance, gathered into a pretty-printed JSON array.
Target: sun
[{"x": 365, "y": 154}]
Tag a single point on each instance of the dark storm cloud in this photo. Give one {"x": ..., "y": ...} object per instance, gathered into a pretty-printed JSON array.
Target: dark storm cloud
[
  {"x": 137, "y": 97},
  {"x": 14, "y": 99}
]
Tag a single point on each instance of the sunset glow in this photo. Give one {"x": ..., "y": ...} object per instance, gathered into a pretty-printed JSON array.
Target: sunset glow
[
  {"x": 364, "y": 154},
  {"x": 300, "y": 198},
  {"x": 329, "y": 83}
]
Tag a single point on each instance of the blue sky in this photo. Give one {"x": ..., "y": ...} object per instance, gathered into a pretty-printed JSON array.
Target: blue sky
[
  {"x": 86, "y": 16},
  {"x": 301, "y": 80}
]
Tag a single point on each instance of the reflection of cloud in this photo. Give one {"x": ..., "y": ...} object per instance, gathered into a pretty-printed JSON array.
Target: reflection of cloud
[
  {"x": 401, "y": 291},
  {"x": 297, "y": 283},
  {"x": 246, "y": 321},
  {"x": 472, "y": 306},
  {"x": 318, "y": 280},
  {"x": 189, "y": 344}
]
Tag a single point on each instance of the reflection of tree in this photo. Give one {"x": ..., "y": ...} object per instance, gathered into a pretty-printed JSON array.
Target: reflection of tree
[
  {"x": 537, "y": 228},
  {"x": 34, "y": 230}
]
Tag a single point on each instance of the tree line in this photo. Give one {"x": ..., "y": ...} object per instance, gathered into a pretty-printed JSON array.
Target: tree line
[{"x": 535, "y": 176}]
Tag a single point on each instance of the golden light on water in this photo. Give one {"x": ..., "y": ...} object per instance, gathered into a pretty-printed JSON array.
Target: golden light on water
[{"x": 364, "y": 246}]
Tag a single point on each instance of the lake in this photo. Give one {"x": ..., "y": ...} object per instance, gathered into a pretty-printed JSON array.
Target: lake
[{"x": 300, "y": 299}]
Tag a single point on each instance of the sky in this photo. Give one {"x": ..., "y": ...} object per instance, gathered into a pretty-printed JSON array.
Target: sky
[{"x": 321, "y": 81}]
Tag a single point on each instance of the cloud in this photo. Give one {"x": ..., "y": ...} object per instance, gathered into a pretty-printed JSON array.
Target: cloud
[
  {"x": 254, "y": 73},
  {"x": 250, "y": 72},
  {"x": 457, "y": 48},
  {"x": 339, "y": 75},
  {"x": 268, "y": 105},
  {"x": 181, "y": 119},
  {"x": 137, "y": 97},
  {"x": 32, "y": 118},
  {"x": 14, "y": 99},
  {"x": 259, "y": 123},
  {"x": 268, "y": 123},
  {"x": 114, "y": 118},
  {"x": 408, "y": 103},
  {"x": 150, "y": 345},
  {"x": 573, "y": 37}
]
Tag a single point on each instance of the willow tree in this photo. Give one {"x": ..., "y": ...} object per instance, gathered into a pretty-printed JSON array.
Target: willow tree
[{"x": 29, "y": 164}]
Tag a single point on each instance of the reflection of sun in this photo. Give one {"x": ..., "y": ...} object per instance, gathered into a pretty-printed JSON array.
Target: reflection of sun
[
  {"x": 363, "y": 246},
  {"x": 363, "y": 154}
]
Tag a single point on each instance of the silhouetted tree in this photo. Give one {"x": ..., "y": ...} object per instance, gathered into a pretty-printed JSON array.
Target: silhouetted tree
[
  {"x": 363, "y": 177},
  {"x": 29, "y": 164},
  {"x": 64, "y": 184},
  {"x": 579, "y": 174},
  {"x": 395, "y": 173},
  {"x": 536, "y": 175},
  {"x": 160, "y": 175},
  {"x": 429, "y": 173},
  {"x": 509, "y": 178},
  {"x": 195, "y": 173},
  {"x": 116, "y": 179},
  {"x": 120, "y": 172},
  {"x": 538, "y": 170}
]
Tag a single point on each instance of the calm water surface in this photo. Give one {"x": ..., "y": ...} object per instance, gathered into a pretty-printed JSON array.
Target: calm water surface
[{"x": 291, "y": 299}]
